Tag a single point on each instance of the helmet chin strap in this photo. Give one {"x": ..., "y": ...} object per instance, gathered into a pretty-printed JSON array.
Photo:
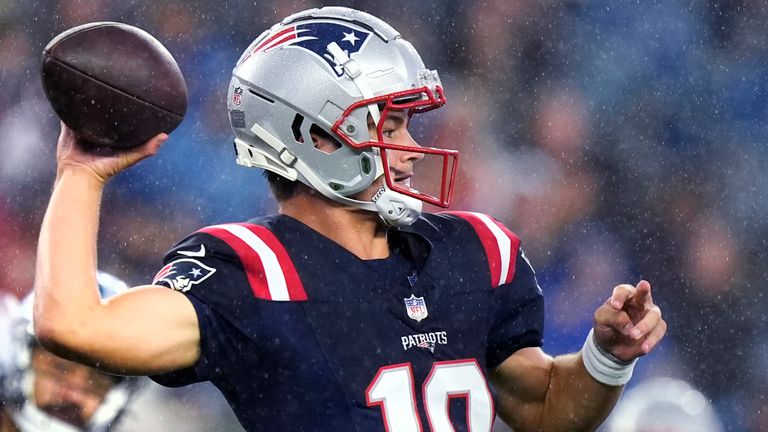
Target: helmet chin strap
[{"x": 394, "y": 208}]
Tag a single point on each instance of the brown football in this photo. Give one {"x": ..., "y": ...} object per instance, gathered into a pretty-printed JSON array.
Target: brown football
[{"x": 113, "y": 84}]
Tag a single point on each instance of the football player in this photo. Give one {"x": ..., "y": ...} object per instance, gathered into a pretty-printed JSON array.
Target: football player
[
  {"x": 43, "y": 392},
  {"x": 350, "y": 309}
]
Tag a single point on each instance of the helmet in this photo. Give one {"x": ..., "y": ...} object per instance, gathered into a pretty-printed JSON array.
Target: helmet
[
  {"x": 335, "y": 69},
  {"x": 664, "y": 404},
  {"x": 18, "y": 377}
]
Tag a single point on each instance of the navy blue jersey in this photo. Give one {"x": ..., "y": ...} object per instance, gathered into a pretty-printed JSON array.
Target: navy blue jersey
[{"x": 301, "y": 335}]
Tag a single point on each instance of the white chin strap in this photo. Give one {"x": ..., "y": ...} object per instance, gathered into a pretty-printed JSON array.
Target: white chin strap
[{"x": 394, "y": 208}]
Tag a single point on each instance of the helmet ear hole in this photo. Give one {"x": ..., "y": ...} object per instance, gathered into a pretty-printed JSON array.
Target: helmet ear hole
[
  {"x": 324, "y": 141},
  {"x": 296, "y": 128}
]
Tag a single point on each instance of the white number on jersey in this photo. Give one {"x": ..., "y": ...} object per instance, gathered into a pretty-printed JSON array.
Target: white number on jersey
[{"x": 393, "y": 390}]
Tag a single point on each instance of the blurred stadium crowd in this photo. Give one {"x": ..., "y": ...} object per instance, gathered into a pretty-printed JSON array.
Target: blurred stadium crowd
[{"x": 619, "y": 139}]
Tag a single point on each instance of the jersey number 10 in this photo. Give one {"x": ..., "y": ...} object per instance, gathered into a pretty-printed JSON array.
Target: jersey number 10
[{"x": 393, "y": 390}]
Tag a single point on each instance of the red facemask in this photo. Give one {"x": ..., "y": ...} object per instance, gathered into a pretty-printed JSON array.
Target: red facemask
[{"x": 414, "y": 101}]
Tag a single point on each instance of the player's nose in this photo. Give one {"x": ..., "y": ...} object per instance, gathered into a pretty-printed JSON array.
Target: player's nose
[{"x": 406, "y": 156}]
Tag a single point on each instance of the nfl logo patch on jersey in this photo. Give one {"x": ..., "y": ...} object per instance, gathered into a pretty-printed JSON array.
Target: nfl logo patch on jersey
[{"x": 416, "y": 308}]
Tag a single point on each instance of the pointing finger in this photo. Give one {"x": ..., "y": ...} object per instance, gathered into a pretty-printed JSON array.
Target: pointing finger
[
  {"x": 621, "y": 293},
  {"x": 643, "y": 293}
]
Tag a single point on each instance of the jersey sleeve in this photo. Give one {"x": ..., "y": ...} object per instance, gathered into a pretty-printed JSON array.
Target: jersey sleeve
[
  {"x": 518, "y": 315},
  {"x": 227, "y": 271},
  {"x": 208, "y": 274},
  {"x": 517, "y": 303}
]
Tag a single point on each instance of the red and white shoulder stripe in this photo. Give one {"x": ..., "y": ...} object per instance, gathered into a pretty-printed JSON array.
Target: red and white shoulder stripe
[
  {"x": 501, "y": 245},
  {"x": 270, "y": 270}
]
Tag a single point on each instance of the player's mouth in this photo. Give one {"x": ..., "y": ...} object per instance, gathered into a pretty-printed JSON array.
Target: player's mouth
[{"x": 403, "y": 180}]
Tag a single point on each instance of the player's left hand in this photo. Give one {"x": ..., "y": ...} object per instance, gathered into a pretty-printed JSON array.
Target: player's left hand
[{"x": 629, "y": 324}]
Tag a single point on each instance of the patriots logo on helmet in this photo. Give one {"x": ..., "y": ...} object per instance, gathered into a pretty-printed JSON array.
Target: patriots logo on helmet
[
  {"x": 315, "y": 38},
  {"x": 182, "y": 274}
]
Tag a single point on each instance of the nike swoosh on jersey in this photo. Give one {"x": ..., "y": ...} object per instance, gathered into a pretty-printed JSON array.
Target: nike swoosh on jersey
[{"x": 197, "y": 253}]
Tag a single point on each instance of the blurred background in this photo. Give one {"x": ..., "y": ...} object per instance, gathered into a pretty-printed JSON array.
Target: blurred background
[{"x": 620, "y": 139}]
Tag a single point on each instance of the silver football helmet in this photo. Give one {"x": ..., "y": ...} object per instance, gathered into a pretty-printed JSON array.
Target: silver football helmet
[
  {"x": 337, "y": 69},
  {"x": 18, "y": 378}
]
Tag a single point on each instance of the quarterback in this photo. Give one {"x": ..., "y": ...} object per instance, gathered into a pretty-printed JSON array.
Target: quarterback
[{"x": 351, "y": 309}]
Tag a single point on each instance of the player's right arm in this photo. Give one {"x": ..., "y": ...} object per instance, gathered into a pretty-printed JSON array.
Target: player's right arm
[{"x": 146, "y": 330}]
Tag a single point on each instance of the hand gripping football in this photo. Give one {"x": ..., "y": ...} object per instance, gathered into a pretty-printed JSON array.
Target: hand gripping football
[{"x": 113, "y": 84}]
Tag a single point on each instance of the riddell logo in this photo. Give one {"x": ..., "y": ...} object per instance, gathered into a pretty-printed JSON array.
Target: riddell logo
[{"x": 424, "y": 340}]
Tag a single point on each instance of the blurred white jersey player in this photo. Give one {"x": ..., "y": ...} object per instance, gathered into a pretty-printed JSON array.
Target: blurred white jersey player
[{"x": 42, "y": 392}]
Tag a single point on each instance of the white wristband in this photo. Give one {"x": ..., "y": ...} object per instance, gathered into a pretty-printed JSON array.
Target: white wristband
[{"x": 603, "y": 366}]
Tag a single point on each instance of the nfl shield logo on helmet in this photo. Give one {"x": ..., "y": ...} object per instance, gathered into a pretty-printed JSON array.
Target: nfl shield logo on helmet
[
  {"x": 237, "y": 95},
  {"x": 416, "y": 308}
]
